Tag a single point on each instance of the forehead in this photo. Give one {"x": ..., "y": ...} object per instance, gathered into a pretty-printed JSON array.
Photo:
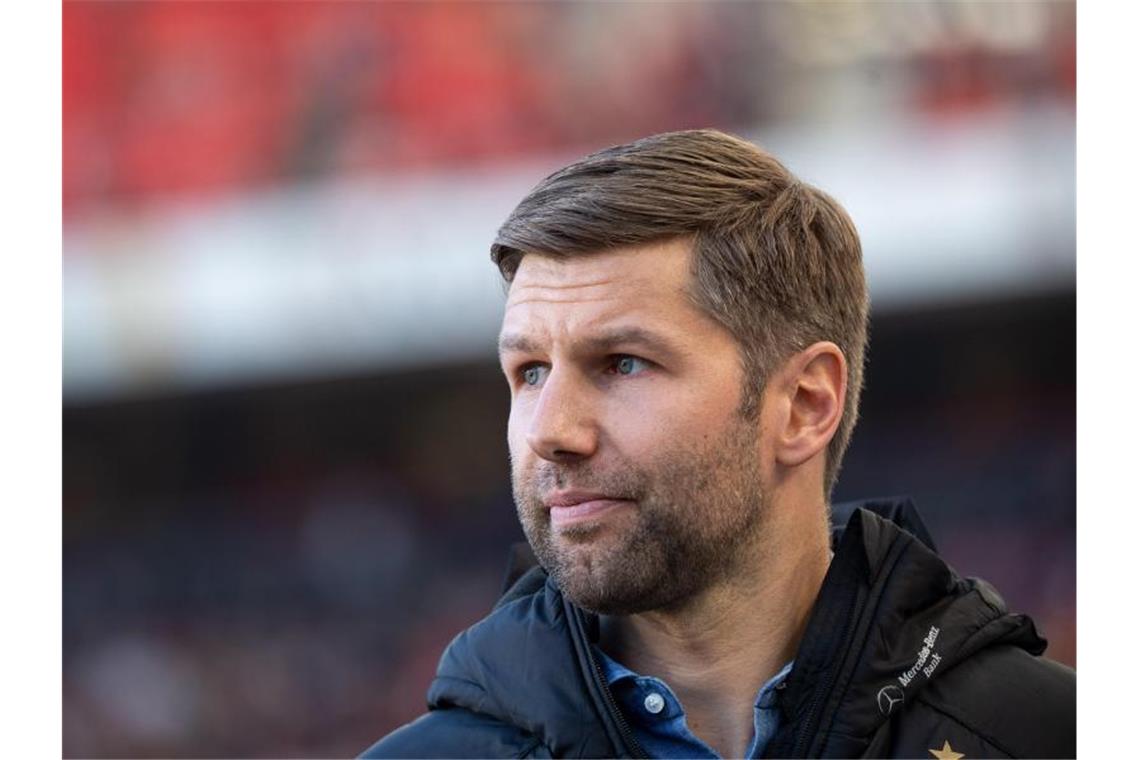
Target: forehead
[{"x": 646, "y": 283}]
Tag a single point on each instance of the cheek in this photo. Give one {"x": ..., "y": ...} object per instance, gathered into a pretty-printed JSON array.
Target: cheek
[
  {"x": 516, "y": 432},
  {"x": 641, "y": 429},
  {"x": 679, "y": 411}
]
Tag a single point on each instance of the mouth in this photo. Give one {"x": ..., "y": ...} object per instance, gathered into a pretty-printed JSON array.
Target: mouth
[{"x": 572, "y": 507}]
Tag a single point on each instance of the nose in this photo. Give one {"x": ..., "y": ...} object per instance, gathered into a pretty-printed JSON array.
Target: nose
[{"x": 562, "y": 427}]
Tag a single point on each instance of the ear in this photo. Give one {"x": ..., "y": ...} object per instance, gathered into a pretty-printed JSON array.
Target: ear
[{"x": 813, "y": 384}]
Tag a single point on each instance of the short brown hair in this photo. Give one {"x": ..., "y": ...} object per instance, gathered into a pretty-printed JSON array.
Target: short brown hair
[{"x": 776, "y": 262}]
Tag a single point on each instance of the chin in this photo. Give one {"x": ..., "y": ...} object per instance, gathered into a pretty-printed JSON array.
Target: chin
[
  {"x": 599, "y": 601},
  {"x": 610, "y": 601},
  {"x": 607, "y": 582}
]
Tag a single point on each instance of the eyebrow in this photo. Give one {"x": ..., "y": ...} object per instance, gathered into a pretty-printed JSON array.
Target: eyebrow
[{"x": 605, "y": 341}]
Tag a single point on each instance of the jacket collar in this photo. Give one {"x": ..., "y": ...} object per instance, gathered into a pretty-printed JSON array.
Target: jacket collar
[{"x": 890, "y": 618}]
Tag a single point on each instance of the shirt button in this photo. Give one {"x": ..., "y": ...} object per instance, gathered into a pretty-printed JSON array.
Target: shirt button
[{"x": 655, "y": 703}]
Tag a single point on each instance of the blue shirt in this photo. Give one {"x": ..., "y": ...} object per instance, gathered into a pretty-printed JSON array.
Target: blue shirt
[{"x": 658, "y": 720}]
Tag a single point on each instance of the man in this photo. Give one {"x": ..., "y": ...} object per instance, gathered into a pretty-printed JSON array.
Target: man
[{"x": 683, "y": 339}]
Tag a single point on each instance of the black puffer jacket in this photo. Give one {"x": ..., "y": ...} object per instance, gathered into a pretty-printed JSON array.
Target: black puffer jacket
[{"x": 901, "y": 658}]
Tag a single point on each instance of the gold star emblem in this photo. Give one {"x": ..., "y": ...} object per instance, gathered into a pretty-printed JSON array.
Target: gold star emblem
[{"x": 946, "y": 753}]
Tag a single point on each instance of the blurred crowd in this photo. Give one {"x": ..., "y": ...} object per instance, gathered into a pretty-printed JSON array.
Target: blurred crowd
[{"x": 172, "y": 98}]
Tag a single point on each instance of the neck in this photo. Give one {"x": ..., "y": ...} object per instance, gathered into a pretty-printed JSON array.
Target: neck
[{"x": 719, "y": 648}]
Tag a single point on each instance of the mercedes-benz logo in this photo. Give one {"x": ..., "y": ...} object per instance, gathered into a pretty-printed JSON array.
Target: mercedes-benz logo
[{"x": 889, "y": 696}]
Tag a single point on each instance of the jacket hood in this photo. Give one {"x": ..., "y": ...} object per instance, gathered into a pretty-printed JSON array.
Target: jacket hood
[{"x": 891, "y": 617}]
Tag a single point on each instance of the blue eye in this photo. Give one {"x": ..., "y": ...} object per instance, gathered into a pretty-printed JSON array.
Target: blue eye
[
  {"x": 629, "y": 365},
  {"x": 532, "y": 375}
]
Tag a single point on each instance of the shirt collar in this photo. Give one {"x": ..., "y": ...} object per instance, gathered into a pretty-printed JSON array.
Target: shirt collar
[{"x": 615, "y": 673}]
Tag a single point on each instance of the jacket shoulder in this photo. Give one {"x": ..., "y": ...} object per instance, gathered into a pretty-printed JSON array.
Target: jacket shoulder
[
  {"x": 455, "y": 732},
  {"x": 1018, "y": 704}
]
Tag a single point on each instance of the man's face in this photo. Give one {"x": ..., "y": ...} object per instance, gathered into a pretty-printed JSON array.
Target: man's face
[{"x": 636, "y": 479}]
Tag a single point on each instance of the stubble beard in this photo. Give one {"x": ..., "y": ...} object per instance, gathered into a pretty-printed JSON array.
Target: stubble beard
[{"x": 697, "y": 512}]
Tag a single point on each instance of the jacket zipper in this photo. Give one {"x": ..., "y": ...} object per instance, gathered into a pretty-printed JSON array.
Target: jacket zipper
[
  {"x": 578, "y": 629},
  {"x": 615, "y": 712},
  {"x": 812, "y": 720}
]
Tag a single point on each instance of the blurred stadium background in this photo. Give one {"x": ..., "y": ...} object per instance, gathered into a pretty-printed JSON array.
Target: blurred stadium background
[{"x": 285, "y": 477}]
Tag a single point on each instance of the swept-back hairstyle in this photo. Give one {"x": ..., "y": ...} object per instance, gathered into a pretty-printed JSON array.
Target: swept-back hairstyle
[{"x": 776, "y": 262}]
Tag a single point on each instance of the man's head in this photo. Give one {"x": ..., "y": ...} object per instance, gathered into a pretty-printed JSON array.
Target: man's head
[{"x": 659, "y": 290}]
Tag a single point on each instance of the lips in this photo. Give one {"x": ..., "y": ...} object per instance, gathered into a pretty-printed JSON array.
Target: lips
[{"x": 568, "y": 507}]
